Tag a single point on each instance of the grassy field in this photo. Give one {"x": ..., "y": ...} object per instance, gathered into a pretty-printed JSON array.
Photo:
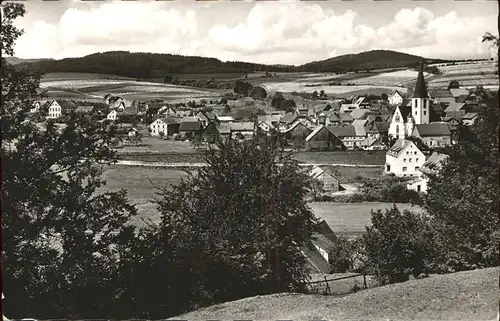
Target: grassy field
[
  {"x": 351, "y": 219},
  {"x": 85, "y": 86},
  {"x": 467, "y": 296},
  {"x": 154, "y": 149},
  {"x": 142, "y": 184}
]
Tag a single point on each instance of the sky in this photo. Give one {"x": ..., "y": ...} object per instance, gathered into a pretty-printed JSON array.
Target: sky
[{"x": 268, "y": 32}]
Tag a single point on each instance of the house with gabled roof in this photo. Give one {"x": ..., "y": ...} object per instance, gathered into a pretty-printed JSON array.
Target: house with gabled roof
[
  {"x": 327, "y": 182},
  {"x": 469, "y": 119},
  {"x": 401, "y": 123},
  {"x": 360, "y": 113},
  {"x": 59, "y": 107},
  {"x": 395, "y": 98},
  {"x": 459, "y": 92},
  {"x": 167, "y": 125},
  {"x": 297, "y": 132},
  {"x": 322, "y": 138},
  {"x": 404, "y": 158},
  {"x": 190, "y": 127},
  {"x": 206, "y": 117},
  {"x": 317, "y": 249},
  {"x": 352, "y": 137},
  {"x": 242, "y": 129},
  {"x": 374, "y": 143},
  {"x": 434, "y": 134},
  {"x": 431, "y": 166},
  {"x": 85, "y": 109},
  {"x": 347, "y": 108}
]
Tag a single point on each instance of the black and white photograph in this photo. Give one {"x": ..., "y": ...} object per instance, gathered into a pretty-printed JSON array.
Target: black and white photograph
[{"x": 250, "y": 160}]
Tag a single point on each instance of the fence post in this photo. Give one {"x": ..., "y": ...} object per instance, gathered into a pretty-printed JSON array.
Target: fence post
[
  {"x": 364, "y": 281},
  {"x": 327, "y": 286}
]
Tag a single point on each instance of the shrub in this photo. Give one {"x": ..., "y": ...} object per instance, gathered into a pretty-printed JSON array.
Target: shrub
[
  {"x": 343, "y": 256},
  {"x": 398, "y": 245}
]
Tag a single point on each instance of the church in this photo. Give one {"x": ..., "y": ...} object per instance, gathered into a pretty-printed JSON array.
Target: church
[{"x": 418, "y": 112}]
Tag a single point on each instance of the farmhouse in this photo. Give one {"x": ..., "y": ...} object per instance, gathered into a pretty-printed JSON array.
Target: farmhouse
[
  {"x": 378, "y": 130},
  {"x": 322, "y": 138},
  {"x": 35, "y": 108},
  {"x": 335, "y": 118},
  {"x": 211, "y": 133},
  {"x": 289, "y": 119},
  {"x": 431, "y": 166},
  {"x": 316, "y": 250},
  {"x": 326, "y": 181},
  {"x": 112, "y": 115},
  {"x": 469, "y": 119},
  {"x": 374, "y": 143},
  {"x": 347, "y": 108},
  {"x": 352, "y": 137},
  {"x": 166, "y": 125},
  {"x": 243, "y": 130},
  {"x": 404, "y": 159},
  {"x": 206, "y": 117},
  {"x": 360, "y": 113},
  {"x": 297, "y": 132},
  {"x": 442, "y": 97},
  {"x": 225, "y": 119},
  {"x": 395, "y": 98},
  {"x": 190, "y": 127},
  {"x": 85, "y": 109},
  {"x": 459, "y": 92},
  {"x": 434, "y": 134},
  {"x": 59, "y": 107}
]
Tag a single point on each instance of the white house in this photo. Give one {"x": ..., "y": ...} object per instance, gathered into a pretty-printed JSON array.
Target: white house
[
  {"x": 58, "y": 107},
  {"x": 35, "y": 108},
  {"x": 112, "y": 115},
  {"x": 226, "y": 119},
  {"x": 395, "y": 98},
  {"x": 166, "y": 125},
  {"x": 431, "y": 165},
  {"x": 404, "y": 159}
]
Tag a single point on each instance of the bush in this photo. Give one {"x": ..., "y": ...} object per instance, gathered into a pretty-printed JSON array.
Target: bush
[
  {"x": 398, "y": 245},
  {"x": 343, "y": 256}
]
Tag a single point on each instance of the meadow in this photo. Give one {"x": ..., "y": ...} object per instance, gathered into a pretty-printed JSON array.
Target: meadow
[
  {"x": 468, "y": 74},
  {"x": 82, "y": 86},
  {"x": 143, "y": 183}
]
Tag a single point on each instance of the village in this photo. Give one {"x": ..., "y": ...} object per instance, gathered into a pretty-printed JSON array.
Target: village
[{"x": 411, "y": 129}]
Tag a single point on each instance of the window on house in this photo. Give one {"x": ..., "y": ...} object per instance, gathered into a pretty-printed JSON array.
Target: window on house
[
  {"x": 409, "y": 160},
  {"x": 415, "y": 153},
  {"x": 418, "y": 188},
  {"x": 416, "y": 168},
  {"x": 425, "y": 113},
  {"x": 388, "y": 168},
  {"x": 404, "y": 160},
  {"x": 416, "y": 159},
  {"x": 404, "y": 169}
]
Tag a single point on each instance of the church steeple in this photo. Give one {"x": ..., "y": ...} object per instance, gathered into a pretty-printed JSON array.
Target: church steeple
[{"x": 420, "y": 87}]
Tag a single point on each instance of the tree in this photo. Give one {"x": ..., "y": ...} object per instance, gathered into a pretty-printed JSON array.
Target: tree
[
  {"x": 277, "y": 99},
  {"x": 58, "y": 258},
  {"x": 322, "y": 94},
  {"x": 463, "y": 195},
  {"x": 397, "y": 245},
  {"x": 241, "y": 218},
  {"x": 315, "y": 95},
  {"x": 384, "y": 97},
  {"x": 453, "y": 84}
]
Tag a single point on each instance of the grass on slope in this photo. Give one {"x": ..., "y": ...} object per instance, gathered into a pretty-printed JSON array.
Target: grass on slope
[{"x": 471, "y": 295}]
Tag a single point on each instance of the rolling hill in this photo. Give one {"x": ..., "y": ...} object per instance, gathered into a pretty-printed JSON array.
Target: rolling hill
[
  {"x": 368, "y": 60},
  {"x": 152, "y": 65},
  {"x": 470, "y": 295},
  {"x": 17, "y": 61}
]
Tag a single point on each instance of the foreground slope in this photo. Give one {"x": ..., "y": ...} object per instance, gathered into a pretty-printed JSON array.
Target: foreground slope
[{"x": 471, "y": 295}]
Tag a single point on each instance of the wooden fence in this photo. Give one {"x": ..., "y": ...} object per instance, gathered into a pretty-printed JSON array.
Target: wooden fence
[{"x": 326, "y": 281}]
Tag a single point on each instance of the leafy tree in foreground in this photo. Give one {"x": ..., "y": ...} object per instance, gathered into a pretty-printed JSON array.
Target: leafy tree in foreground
[
  {"x": 241, "y": 219},
  {"x": 464, "y": 195},
  {"x": 58, "y": 233},
  {"x": 397, "y": 245}
]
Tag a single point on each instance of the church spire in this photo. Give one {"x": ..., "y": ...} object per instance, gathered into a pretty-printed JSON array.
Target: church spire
[{"x": 420, "y": 87}]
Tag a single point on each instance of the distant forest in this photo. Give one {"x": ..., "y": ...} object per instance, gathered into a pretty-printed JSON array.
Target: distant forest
[{"x": 151, "y": 65}]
